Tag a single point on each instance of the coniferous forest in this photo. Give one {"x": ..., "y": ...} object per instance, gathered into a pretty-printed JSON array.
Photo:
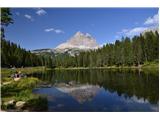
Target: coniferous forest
[{"x": 125, "y": 52}]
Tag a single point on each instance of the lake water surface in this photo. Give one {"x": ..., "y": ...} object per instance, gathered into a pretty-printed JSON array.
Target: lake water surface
[{"x": 100, "y": 90}]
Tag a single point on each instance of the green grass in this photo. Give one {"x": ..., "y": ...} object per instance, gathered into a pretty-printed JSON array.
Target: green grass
[
  {"x": 27, "y": 70},
  {"x": 151, "y": 65},
  {"x": 6, "y": 79},
  {"x": 22, "y": 91}
]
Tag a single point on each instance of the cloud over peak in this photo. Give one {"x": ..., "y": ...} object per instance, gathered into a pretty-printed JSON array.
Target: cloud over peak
[{"x": 57, "y": 31}]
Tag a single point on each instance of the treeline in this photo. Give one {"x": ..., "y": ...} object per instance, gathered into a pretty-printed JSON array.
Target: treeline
[
  {"x": 125, "y": 52},
  {"x": 12, "y": 55}
]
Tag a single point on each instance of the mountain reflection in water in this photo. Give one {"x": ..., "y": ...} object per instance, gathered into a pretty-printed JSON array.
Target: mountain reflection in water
[
  {"x": 81, "y": 93},
  {"x": 100, "y": 90}
]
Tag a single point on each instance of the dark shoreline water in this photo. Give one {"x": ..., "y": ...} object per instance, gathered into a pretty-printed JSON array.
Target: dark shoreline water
[{"x": 100, "y": 90}]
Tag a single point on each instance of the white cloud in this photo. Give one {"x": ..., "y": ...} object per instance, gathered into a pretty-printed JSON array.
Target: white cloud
[
  {"x": 49, "y": 30},
  {"x": 133, "y": 31},
  {"x": 41, "y": 12},
  {"x": 58, "y": 31},
  {"x": 152, "y": 20},
  {"x": 29, "y": 17},
  {"x": 136, "y": 31}
]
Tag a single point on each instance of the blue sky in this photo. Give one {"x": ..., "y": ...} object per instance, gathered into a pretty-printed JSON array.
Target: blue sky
[{"x": 36, "y": 28}]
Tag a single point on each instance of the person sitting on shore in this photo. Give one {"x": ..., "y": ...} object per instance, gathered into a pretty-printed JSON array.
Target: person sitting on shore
[{"x": 18, "y": 75}]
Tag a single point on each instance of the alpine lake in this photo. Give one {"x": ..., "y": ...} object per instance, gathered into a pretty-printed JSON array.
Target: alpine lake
[{"x": 96, "y": 90}]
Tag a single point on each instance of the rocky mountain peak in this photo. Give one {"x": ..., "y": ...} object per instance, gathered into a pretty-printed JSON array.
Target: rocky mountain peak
[
  {"x": 79, "y": 40},
  {"x": 79, "y": 33}
]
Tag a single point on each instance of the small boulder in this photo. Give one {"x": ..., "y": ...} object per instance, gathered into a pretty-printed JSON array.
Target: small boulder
[
  {"x": 20, "y": 104},
  {"x": 11, "y": 102}
]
